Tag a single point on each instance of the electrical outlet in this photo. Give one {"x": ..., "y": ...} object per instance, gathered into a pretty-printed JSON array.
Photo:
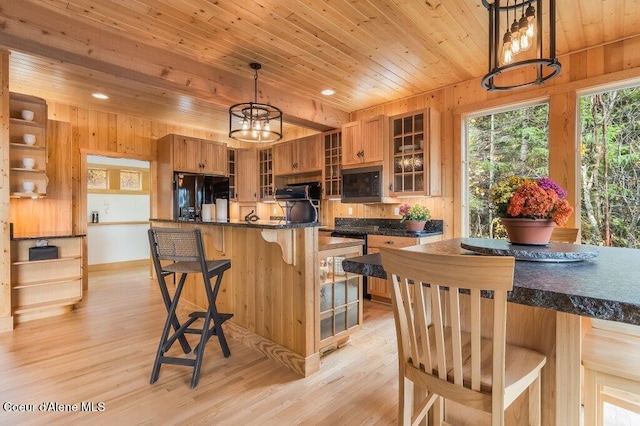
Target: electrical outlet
[
  {"x": 396, "y": 211},
  {"x": 350, "y": 211}
]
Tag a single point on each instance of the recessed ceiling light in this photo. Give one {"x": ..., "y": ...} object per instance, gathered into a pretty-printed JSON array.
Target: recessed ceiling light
[
  {"x": 100, "y": 96},
  {"x": 328, "y": 92}
]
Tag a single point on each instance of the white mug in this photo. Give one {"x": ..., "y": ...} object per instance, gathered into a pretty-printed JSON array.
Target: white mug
[
  {"x": 28, "y": 162},
  {"x": 29, "y": 139},
  {"x": 28, "y": 186},
  {"x": 27, "y": 115}
]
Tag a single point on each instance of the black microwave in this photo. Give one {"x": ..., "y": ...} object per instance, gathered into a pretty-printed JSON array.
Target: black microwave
[{"x": 362, "y": 185}]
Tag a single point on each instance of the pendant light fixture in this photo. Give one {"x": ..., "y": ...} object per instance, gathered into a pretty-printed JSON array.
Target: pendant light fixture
[
  {"x": 253, "y": 121},
  {"x": 526, "y": 53}
]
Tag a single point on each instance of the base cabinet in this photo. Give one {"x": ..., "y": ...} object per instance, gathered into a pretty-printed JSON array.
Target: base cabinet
[
  {"x": 44, "y": 288},
  {"x": 339, "y": 306},
  {"x": 377, "y": 287}
]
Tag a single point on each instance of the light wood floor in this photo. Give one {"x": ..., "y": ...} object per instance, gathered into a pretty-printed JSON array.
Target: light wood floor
[
  {"x": 103, "y": 353},
  {"x": 104, "y": 350}
]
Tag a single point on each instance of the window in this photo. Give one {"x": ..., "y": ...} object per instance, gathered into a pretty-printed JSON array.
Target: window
[
  {"x": 499, "y": 145},
  {"x": 130, "y": 180},
  {"x": 610, "y": 168},
  {"x": 115, "y": 179},
  {"x": 97, "y": 179}
]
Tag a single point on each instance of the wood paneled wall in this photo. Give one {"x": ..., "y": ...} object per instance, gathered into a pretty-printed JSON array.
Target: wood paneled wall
[
  {"x": 604, "y": 66},
  {"x": 6, "y": 320}
]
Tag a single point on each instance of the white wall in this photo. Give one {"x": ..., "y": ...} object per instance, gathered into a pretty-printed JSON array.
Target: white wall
[{"x": 115, "y": 241}]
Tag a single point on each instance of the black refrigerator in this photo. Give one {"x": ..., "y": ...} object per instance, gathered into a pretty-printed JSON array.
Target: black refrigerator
[{"x": 192, "y": 190}]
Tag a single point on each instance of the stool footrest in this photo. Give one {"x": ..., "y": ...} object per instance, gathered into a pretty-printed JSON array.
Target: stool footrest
[{"x": 177, "y": 361}]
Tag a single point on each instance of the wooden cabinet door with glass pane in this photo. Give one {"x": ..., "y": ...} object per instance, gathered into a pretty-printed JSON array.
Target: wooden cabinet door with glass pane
[
  {"x": 331, "y": 175},
  {"x": 339, "y": 307},
  {"x": 265, "y": 174},
  {"x": 415, "y": 153}
]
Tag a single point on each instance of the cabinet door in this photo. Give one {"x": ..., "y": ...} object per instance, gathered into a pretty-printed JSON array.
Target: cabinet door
[
  {"x": 331, "y": 174},
  {"x": 186, "y": 154},
  {"x": 373, "y": 139},
  {"x": 214, "y": 158},
  {"x": 351, "y": 143},
  {"x": 309, "y": 154},
  {"x": 284, "y": 158},
  {"x": 247, "y": 175}
]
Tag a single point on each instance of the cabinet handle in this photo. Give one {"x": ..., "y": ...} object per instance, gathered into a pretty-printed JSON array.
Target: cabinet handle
[{"x": 389, "y": 242}]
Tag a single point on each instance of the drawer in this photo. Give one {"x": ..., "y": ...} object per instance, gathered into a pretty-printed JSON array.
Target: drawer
[{"x": 386, "y": 241}]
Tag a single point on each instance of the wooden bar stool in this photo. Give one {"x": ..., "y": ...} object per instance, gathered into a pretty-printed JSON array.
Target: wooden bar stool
[
  {"x": 179, "y": 251},
  {"x": 611, "y": 360}
]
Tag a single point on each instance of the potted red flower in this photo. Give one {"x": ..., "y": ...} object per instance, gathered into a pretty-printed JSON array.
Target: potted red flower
[{"x": 530, "y": 208}]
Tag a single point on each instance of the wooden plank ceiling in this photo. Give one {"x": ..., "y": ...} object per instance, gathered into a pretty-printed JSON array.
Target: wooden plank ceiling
[{"x": 186, "y": 61}]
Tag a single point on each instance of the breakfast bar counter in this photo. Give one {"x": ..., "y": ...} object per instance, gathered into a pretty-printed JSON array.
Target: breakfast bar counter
[
  {"x": 546, "y": 310},
  {"x": 270, "y": 288}
]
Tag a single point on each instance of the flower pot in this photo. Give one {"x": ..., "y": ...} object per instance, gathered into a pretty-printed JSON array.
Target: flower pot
[
  {"x": 415, "y": 225},
  {"x": 528, "y": 231}
]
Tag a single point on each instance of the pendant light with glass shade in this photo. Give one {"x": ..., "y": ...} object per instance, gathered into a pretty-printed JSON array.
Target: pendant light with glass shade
[
  {"x": 253, "y": 121},
  {"x": 523, "y": 45}
]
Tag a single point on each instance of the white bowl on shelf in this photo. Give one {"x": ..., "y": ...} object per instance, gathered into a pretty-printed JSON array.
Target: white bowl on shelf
[
  {"x": 29, "y": 139},
  {"x": 28, "y": 162},
  {"x": 28, "y": 186},
  {"x": 27, "y": 115}
]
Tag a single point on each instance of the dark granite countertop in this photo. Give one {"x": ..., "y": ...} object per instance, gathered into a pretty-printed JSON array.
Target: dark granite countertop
[
  {"x": 388, "y": 227},
  {"x": 260, "y": 224},
  {"x": 605, "y": 287},
  {"x": 47, "y": 237}
]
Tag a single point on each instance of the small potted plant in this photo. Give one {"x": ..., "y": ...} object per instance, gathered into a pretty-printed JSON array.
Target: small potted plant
[
  {"x": 530, "y": 208},
  {"x": 415, "y": 216}
]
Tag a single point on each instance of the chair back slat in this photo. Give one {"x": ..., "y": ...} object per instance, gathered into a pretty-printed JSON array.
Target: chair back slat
[
  {"x": 422, "y": 302},
  {"x": 475, "y": 322},
  {"x": 446, "y": 349},
  {"x": 456, "y": 337}
]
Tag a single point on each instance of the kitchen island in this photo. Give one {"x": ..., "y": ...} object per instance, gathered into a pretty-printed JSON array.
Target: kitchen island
[
  {"x": 272, "y": 288},
  {"x": 546, "y": 310}
]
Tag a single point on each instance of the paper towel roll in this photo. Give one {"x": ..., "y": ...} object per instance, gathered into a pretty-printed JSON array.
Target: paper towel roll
[
  {"x": 221, "y": 210},
  {"x": 206, "y": 212}
]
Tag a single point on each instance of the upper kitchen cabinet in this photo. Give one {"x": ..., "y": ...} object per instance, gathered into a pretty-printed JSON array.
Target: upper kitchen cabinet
[
  {"x": 331, "y": 175},
  {"x": 364, "y": 141},
  {"x": 298, "y": 156},
  {"x": 415, "y": 153},
  {"x": 193, "y": 155},
  {"x": 247, "y": 178},
  {"x": 28, "y": 146}
]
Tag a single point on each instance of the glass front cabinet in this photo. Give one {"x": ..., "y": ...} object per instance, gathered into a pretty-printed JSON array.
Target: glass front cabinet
[
  {"x": 339, "y": 306},
  {"x": 415, "y": 153}
]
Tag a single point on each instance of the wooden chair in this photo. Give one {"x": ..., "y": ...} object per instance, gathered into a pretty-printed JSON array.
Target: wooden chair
[
  {"x": 611, "y": 361},
  {"x": 564, "y": 235},
  {"x": 437, "y": 359}
]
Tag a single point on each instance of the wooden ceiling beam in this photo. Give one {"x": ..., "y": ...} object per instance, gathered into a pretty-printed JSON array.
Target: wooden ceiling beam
[{"x": 29, "y": 27}]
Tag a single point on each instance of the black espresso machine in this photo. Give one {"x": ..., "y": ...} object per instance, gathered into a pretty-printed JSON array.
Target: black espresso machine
[{"x": 297, "y": 203}]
